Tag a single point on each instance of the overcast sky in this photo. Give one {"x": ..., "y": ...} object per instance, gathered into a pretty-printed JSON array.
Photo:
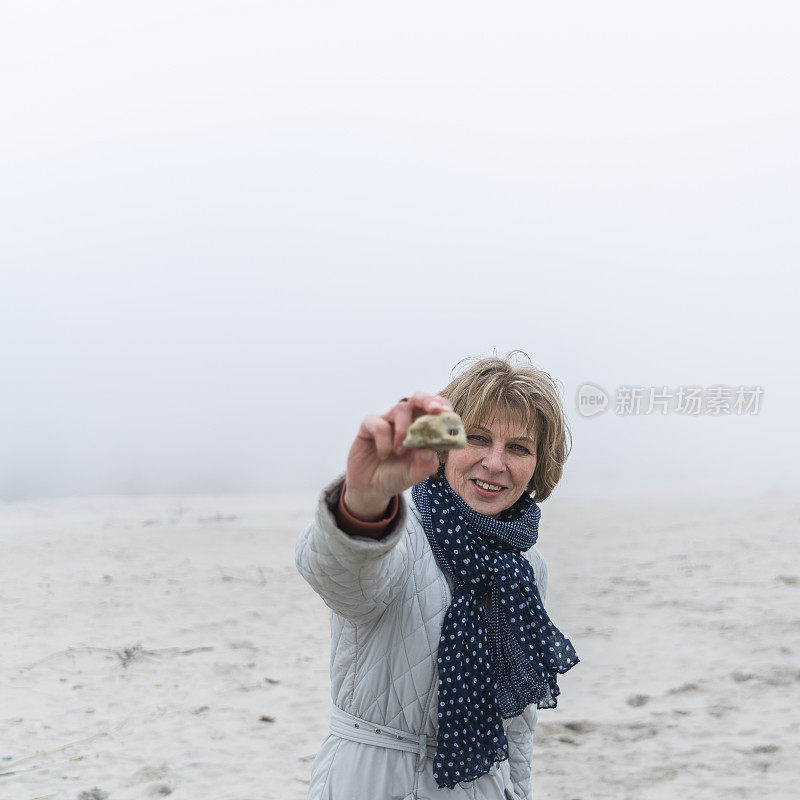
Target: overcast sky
[{"x": 230, "y": 230}]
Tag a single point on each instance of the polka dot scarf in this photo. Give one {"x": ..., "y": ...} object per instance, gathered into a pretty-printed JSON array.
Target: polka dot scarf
[{"x": 491, "y": 668}]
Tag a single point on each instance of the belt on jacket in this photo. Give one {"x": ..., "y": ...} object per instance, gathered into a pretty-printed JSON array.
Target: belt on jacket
[{"x": 347, "y": 726}]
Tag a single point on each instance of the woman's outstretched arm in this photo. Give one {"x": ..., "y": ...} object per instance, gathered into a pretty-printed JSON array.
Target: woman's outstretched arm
[{"x": 358, "y": 574}]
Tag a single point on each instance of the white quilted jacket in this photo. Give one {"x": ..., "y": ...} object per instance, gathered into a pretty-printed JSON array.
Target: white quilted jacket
[{"x": 388, "y": 598}]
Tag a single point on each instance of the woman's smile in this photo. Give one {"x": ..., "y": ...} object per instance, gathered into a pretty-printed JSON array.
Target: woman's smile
[{"x": 488, "y": 487}]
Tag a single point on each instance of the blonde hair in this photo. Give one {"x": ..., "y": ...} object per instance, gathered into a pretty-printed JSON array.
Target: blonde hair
[{"x": 495, "y": 387}]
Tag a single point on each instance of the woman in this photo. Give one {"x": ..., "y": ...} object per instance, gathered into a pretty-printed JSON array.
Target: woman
[{"x": 441, "y": 650}]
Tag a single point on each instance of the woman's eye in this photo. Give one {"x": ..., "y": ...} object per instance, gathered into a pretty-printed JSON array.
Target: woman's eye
[
  {"x": 521, "y": 449},
  {"x": 475, "y": 438}
]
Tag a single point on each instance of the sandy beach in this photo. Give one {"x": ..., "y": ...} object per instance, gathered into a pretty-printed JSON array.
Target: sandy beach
[{"x": 166, "y": 646}]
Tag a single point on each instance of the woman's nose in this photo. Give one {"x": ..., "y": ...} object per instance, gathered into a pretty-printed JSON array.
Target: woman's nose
[{"x": 493, "y": 459}]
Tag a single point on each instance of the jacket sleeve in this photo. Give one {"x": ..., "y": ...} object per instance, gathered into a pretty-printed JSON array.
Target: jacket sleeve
[
  {"x": 357, "y": 577},
  {"x": 519, "y": 731}
]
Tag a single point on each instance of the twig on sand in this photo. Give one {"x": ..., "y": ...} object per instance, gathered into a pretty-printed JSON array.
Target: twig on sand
[
  {"x": 68, "y": 652},
  {"x": 137, "y": 652},
  {"x": 175, "y": 651},
  {"x": 66, "y": 746},
  {"x": 6, "y": 775},
  {"x": 131, "y": 654},
  {"x": 126, "y": 656}
]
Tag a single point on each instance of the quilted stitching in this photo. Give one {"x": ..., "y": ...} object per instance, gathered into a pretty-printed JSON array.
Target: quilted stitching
[
  {"x": 355, "y": 576},
  {"x": 401, "y": 674},
  {"x": 519, "y": 732},
  {"x": 388, "y": 599}
]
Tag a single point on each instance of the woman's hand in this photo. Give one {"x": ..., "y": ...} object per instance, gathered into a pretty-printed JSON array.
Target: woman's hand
[{"x": 378, "y": 466}]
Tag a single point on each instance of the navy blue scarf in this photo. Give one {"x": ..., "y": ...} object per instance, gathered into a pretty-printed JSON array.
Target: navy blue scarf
[{"x": 489, "y": 669}]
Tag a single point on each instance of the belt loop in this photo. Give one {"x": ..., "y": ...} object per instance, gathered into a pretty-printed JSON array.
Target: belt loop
[{"x": 423, "y": 752}]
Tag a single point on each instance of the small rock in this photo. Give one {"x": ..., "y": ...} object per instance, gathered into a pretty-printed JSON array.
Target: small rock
[
  {"x": 6, "y": 758},
  {"x": 94, "y": 793},
  {"x": 159, "y": 790},
  {"x": 579, "y": 726},
  {"x": 686, "y": 687},
  {"x": 266, "y": 718},
  {"x": 443, "y": 431},
  {"x": 637, "y": 700}
]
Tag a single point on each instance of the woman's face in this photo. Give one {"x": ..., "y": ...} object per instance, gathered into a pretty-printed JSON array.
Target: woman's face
[{"x": 494, "y": 469}]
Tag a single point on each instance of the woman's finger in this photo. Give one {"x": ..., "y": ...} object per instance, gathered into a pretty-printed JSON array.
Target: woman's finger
[
  {"x": 401, "y": 415},
  {"x": 429, "y": 403},
  {"x": 423, "y": 464},
  {"x": 380, "y": 430}
]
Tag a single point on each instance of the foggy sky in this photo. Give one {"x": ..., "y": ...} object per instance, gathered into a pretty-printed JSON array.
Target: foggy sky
[{"x": 231, "y": 230}]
